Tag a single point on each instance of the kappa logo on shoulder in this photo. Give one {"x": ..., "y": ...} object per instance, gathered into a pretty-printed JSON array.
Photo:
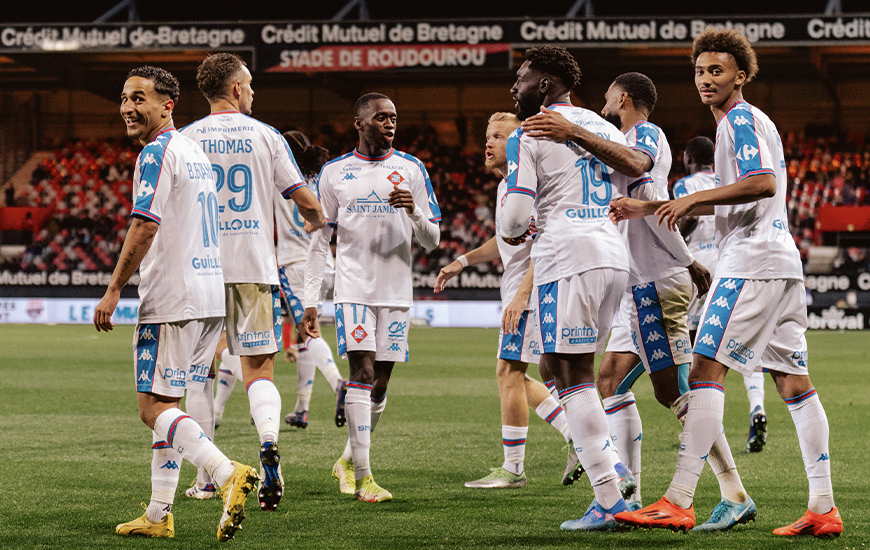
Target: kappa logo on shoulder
[
  {"x": 741, "y": 120},
  {"x": 648, "y": 141},
  {"x": 149, "y": 159}
]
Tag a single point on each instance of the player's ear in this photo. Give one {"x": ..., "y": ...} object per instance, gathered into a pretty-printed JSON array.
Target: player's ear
[
  {"x": 741, "y": 79},
  {"x": 544, "y": 85},
  {"x": 168, "y": 106},
  {"x": 357, "y": 123}
]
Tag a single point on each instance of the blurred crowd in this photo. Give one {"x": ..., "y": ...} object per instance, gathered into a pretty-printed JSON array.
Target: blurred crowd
[{"x": 88, "y": 185}]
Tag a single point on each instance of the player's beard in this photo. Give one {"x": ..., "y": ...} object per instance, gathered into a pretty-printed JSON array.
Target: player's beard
[{"x": 614, "y": 119}]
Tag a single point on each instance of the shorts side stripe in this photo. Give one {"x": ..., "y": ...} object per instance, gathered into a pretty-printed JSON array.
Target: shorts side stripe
[
  {"x": 276, "y": 317},
  {"x": 291, "y": 302},
  {"x": 716, "y": 317},
  {"x": 548, "y": 301},
  {"x": 653, "y": 334},
  {"x": 146, "y": 357},
  {"x": 512, "y": 344},
  {"x": 339, "y": 329}
]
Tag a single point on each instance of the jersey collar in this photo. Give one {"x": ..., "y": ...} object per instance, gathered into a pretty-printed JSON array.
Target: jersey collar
[{"x": 360, "y": 156}]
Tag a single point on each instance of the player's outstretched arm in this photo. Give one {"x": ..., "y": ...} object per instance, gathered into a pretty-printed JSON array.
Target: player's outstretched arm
[
  {"x": 486, "y": 252},
  {"x": 702, "y": 203},
  {"x": 510, "y": 318},
  {"x": 553, "y": 125},
  {"x": 309, "y": 207},
  {"x": 625, "y": 208},
  {"x": 136, "y": 245}
]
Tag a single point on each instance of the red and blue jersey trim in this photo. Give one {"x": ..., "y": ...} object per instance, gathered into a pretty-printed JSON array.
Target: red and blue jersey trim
[
  {"x": 361, "y": 156},
  {"x": 638, "y": 183},
  {"x": 286, "y": 193}
]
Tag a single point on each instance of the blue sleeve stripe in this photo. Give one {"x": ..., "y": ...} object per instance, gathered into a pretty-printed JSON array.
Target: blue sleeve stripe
[
  {"x": 680, "y": 189},
  {"x": 138, "y": 213},
  {"x": 521, "y": 190},
  {"x": 756, "y": 173},
  {"x": 512, "y": 152},
  {"x": 638, "y": 183},
  {"x": 147, "y": 171},
  {"x": 746, "y": 146},
  {"x": 286, "y": 193},
  {"x": 331, "y": 224},
  {"x": 644, "y": 131},
  {"x": 430, "y": 192},
  {"x": 645, "y": 152}
]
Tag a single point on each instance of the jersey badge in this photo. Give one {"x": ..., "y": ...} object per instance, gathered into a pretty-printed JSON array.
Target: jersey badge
[
  {"x": 359, "y": 334},
  {"x": 395, "y": 178}
]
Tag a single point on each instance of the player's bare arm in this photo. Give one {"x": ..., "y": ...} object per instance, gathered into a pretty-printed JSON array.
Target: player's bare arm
[
  {"x": 309, "y": 207},
  {"x": 510, "y": 318},
  {"x": 136, "y": 245},
  {"x": 702, "y": 203},
  {"x": 552, "y": 124},
  {"x": 487, "y": 252}
]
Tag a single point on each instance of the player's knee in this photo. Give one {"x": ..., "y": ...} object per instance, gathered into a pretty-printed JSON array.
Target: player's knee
[{"x": 607, "y": 384}]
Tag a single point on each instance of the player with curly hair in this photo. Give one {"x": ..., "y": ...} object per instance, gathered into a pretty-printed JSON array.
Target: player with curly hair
[{"x": 756, "y": 311}]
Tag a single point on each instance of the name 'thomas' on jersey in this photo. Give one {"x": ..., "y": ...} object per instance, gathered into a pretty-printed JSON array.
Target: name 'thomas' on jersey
[
  {"x": 251, "y": 161},
  {"x": 373, "y": 254},
  {"x": 754, "y": 238},
  {"x": 181, "y": 273},
  {"x": 572, "y": 191}
]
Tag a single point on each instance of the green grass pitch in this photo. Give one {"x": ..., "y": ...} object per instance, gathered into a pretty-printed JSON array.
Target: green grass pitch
[{"x": 74, "y": 457}]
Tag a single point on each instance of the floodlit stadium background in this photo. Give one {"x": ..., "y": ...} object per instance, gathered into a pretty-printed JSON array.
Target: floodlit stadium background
[{"x": 66, "y": 164}]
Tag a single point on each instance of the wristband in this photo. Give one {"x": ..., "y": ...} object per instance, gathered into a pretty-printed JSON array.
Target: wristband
[{"x": 463, "y": 260}]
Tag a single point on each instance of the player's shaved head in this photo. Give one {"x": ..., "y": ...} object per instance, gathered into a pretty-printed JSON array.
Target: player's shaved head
[
  {"x": 639, "y": 88},
  {"x": 727, "y": 41},
  {"x": 216, "y": 73},
  {"x": 700, "y": 150},
  {"x": 362, "y": 104}
]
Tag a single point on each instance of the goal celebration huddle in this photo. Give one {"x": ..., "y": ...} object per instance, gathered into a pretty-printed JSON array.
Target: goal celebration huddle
[{"x": 599, "y": 255}]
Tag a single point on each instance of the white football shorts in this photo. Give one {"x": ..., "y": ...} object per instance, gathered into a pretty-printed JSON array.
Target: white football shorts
[
  {"x": 523, "y": 344},
  {"x": 575, "y": 313},
  {"x": 253, "y": 318},
  {"x": 748, "y": 321},
  {"x": 657, "y": 313},
  {"x": 381, "y": 329},
  {"x": 172, "y": 357},
  {"x": 620, "y": 331},
  {"x": 292, "y": 278}
]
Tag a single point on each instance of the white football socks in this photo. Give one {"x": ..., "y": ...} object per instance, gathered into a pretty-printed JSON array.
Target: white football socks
[
  {"x": 265, "y": 408},
  {"x": 703, "y": 425},
  {"x": 200, "y": 407},
  {"x": 322, "y": 354},
  {"x": 304, "y": 378},
  {"x": 230, "y": 370},
  {"x": 358, "y": 407},
  {"x": 165, "y": 467},
  {"x": 755, "y": 390},
  {"x": 551, "y": 411},
  {"x": 378, "y": 406},
  {"x": 626, "y": 429},
  {"x": 588, "y": 425},
  {"x": 178, "y": 431},
  {"x": 811, "y": 424},
  {"x": 513, "y": 439}
]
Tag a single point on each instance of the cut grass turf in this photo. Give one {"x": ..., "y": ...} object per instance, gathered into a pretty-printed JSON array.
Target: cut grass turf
[{"x": 74, "y": 457}]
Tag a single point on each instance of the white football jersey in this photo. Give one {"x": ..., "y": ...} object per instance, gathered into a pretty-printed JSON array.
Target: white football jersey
[
  {"x": 373, "y": 254},
  {"x": 754, "y": 238},
  {"x": 181, "y": 274},
  {"x": 251, "y": 161},
  {"x": 572, "y": 191},
  {"x": 515, "y": 259},
  {"x": 654, "y": 252},
  {"x": 293, "y": 241},
  {"x": 702, "y": 240}
]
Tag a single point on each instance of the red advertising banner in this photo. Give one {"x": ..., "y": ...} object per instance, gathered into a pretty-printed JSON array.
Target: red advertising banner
[{"x": 378, "y": 58}]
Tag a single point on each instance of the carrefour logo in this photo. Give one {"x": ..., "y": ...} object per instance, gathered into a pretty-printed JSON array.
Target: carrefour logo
[
  {"x": 747, "y": 152},
  {"x": 512, "y": 167}
]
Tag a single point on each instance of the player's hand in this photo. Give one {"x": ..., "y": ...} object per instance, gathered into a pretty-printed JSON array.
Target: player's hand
[
  {"x": 549, "y": 124},
  {"x": 672, "y": 211},
  {"x": 308, "y": 325},
  {"x": 510, "y": 317},
  {"x": 516, "y": 241},
  {"x": 401, "y": 198},
  {"x": 701, "y": 277},
  {"x": 105, "y": 309},
  {"x": 309, "y": 228},
  {"x": 625, "y": 208},
  {"x": 447, "y": 272}
]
